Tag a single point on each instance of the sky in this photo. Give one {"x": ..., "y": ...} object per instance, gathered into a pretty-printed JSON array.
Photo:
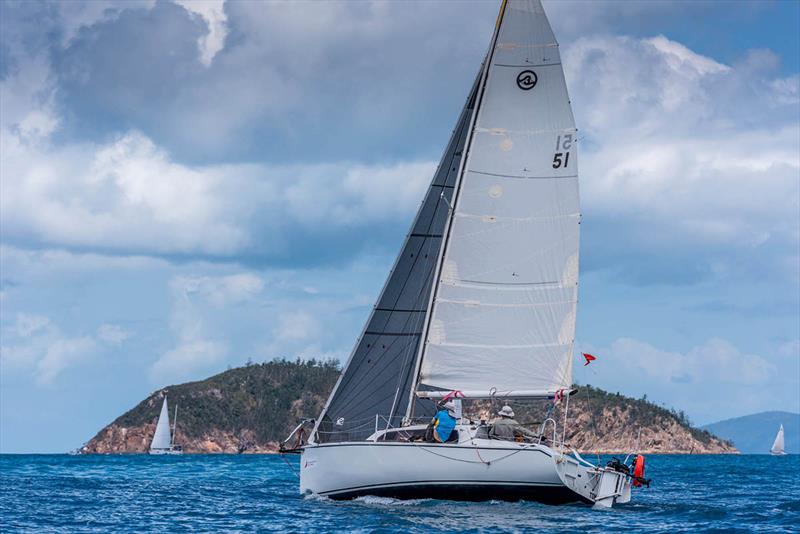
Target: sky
[{"x": 186, "y": 186}]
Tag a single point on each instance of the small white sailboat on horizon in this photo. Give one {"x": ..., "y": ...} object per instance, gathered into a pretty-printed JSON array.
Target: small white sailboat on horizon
[
  {"x": 164, "y": 437},
  {"x": 778, "y": 445},
  {"x": 480, "y": 304}
]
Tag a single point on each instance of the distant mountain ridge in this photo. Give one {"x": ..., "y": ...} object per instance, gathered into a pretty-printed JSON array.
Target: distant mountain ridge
[
  {"x": 252, "y": 408},
  {"x": 754, "y": 433}
]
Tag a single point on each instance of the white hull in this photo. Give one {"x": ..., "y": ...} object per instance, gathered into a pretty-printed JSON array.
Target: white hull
[
  {"x": 478, "y": 469},
  {"x": 158, "y": 452}
]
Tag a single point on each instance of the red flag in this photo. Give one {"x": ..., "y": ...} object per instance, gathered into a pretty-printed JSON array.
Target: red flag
[{"x": 589, "y": 358}]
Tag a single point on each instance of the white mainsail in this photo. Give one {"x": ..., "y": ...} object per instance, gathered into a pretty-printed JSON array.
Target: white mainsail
[
  {"x": 162, "y": 438},
  {"x": 778, "y": 446},
  {"x": 502, "y": 320}
]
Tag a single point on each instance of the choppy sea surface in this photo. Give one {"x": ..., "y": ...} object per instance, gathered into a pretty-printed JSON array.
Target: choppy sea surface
[{"x": 60, "y": 493}]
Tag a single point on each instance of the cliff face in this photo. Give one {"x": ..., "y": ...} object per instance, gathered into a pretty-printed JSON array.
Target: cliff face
[
  {"x": 250, "y": 409},
  {"x": 622, "y": 430}
]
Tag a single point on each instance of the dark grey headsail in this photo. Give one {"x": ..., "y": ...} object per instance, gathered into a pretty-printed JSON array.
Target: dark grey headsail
[{"x": 378, "y": 376}]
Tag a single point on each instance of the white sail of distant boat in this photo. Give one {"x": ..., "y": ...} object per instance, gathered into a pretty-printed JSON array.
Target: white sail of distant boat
[
  {"x": 480, "y": 304},
  {"x": 778, "y": 446},
  {"x": 163, "y": 438}
]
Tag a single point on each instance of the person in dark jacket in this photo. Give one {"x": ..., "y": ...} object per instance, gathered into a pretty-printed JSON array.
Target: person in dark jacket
[{"x": 507, "y": 428}]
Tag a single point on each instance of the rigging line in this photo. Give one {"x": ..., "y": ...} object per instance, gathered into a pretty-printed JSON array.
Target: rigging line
[
  {"x": 524, "y": 448},
  {"x": 290, "y": 467}
]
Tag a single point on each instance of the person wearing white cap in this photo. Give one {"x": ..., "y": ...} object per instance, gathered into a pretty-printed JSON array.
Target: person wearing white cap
[
  {"x": 507, "y": 428},
  {"x": 443, "y": 423}
]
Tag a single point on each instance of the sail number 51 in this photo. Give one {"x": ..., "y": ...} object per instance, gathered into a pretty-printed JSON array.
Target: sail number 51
[{"x": 563, "y": 143}]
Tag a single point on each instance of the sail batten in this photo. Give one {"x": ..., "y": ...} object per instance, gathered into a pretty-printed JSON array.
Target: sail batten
[{"x": 515, "y": 226}]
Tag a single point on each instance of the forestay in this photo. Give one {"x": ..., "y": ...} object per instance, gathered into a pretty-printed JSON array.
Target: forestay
[
  {"x": 503, "y": 314},
  {"x": 162, "y": 438},
  {"x": 378, "y": 377}
]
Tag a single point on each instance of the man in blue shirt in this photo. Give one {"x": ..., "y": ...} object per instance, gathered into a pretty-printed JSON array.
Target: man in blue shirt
[{"x": 444, "y": 423}]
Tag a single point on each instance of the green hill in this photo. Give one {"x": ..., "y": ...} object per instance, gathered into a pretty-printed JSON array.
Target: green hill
[
  {"x": 246, "y": 408},
  {"x": 252, "y": 408}
]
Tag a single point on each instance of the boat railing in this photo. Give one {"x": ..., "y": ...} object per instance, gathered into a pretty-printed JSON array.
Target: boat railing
[{"x": 544, "y": 428}]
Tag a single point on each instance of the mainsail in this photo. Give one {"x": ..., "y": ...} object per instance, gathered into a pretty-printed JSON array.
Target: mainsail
[
  {"x": 778, "y": 446},
  {"x": 503, "y": 314},
  {"x": 162, "y": 438}
]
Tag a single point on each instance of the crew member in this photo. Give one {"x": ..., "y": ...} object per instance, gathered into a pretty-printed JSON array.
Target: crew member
[
  {"x": 507, "y": 428},
  {"x": 442, "y": 427}
]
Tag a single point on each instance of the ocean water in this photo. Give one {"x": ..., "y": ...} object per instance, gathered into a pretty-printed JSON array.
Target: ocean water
[{"x": 59, "y": 493}]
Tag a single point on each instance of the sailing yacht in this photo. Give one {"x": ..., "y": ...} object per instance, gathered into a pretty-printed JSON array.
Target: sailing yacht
[
  {"x": 778, "y": 446},
  {"x": 164, "y": 438},
  {"x": 480, "y": 304}
]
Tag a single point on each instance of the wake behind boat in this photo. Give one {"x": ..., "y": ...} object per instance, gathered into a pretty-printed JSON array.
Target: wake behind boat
[{"x": 480, "y": 306}]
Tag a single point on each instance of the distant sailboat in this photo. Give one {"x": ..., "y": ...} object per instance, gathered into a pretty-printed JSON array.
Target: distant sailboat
[
  {"x": 163, "y": 440},
  {"x": 778, "y": 446}
]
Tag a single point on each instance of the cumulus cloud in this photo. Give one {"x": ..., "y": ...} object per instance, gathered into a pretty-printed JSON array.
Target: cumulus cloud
[
  {"x": 213, "y": 12},
  {"x": 129, "y": 197},
  {"x": 684, "y": 158}
]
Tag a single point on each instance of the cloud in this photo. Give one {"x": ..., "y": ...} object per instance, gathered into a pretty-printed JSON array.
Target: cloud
[
  {"x": 184, "y": 361},
  {"x": 220, "y": 290},
  {"x": 28, "y": 324},
  {"x": 213, "y": 12},
  {"x": 680, "y": 152},
  {"x": 113, "y": 334},
  {"x": 63, "y": 353},
  {"x": 685, "y": 161},
  {"x": 35, "y": 343},
  {"x": 128, "y": 197},
  {"x": 201, "y": 343}
]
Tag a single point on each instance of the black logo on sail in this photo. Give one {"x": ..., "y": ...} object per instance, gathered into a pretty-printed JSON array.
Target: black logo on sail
[{"x": 526, "y": 80}]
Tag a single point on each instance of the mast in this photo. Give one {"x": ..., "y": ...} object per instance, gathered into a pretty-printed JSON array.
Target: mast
[
  {"x": 463, "y": 165},
  {"x": 174, "y": 427}
]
